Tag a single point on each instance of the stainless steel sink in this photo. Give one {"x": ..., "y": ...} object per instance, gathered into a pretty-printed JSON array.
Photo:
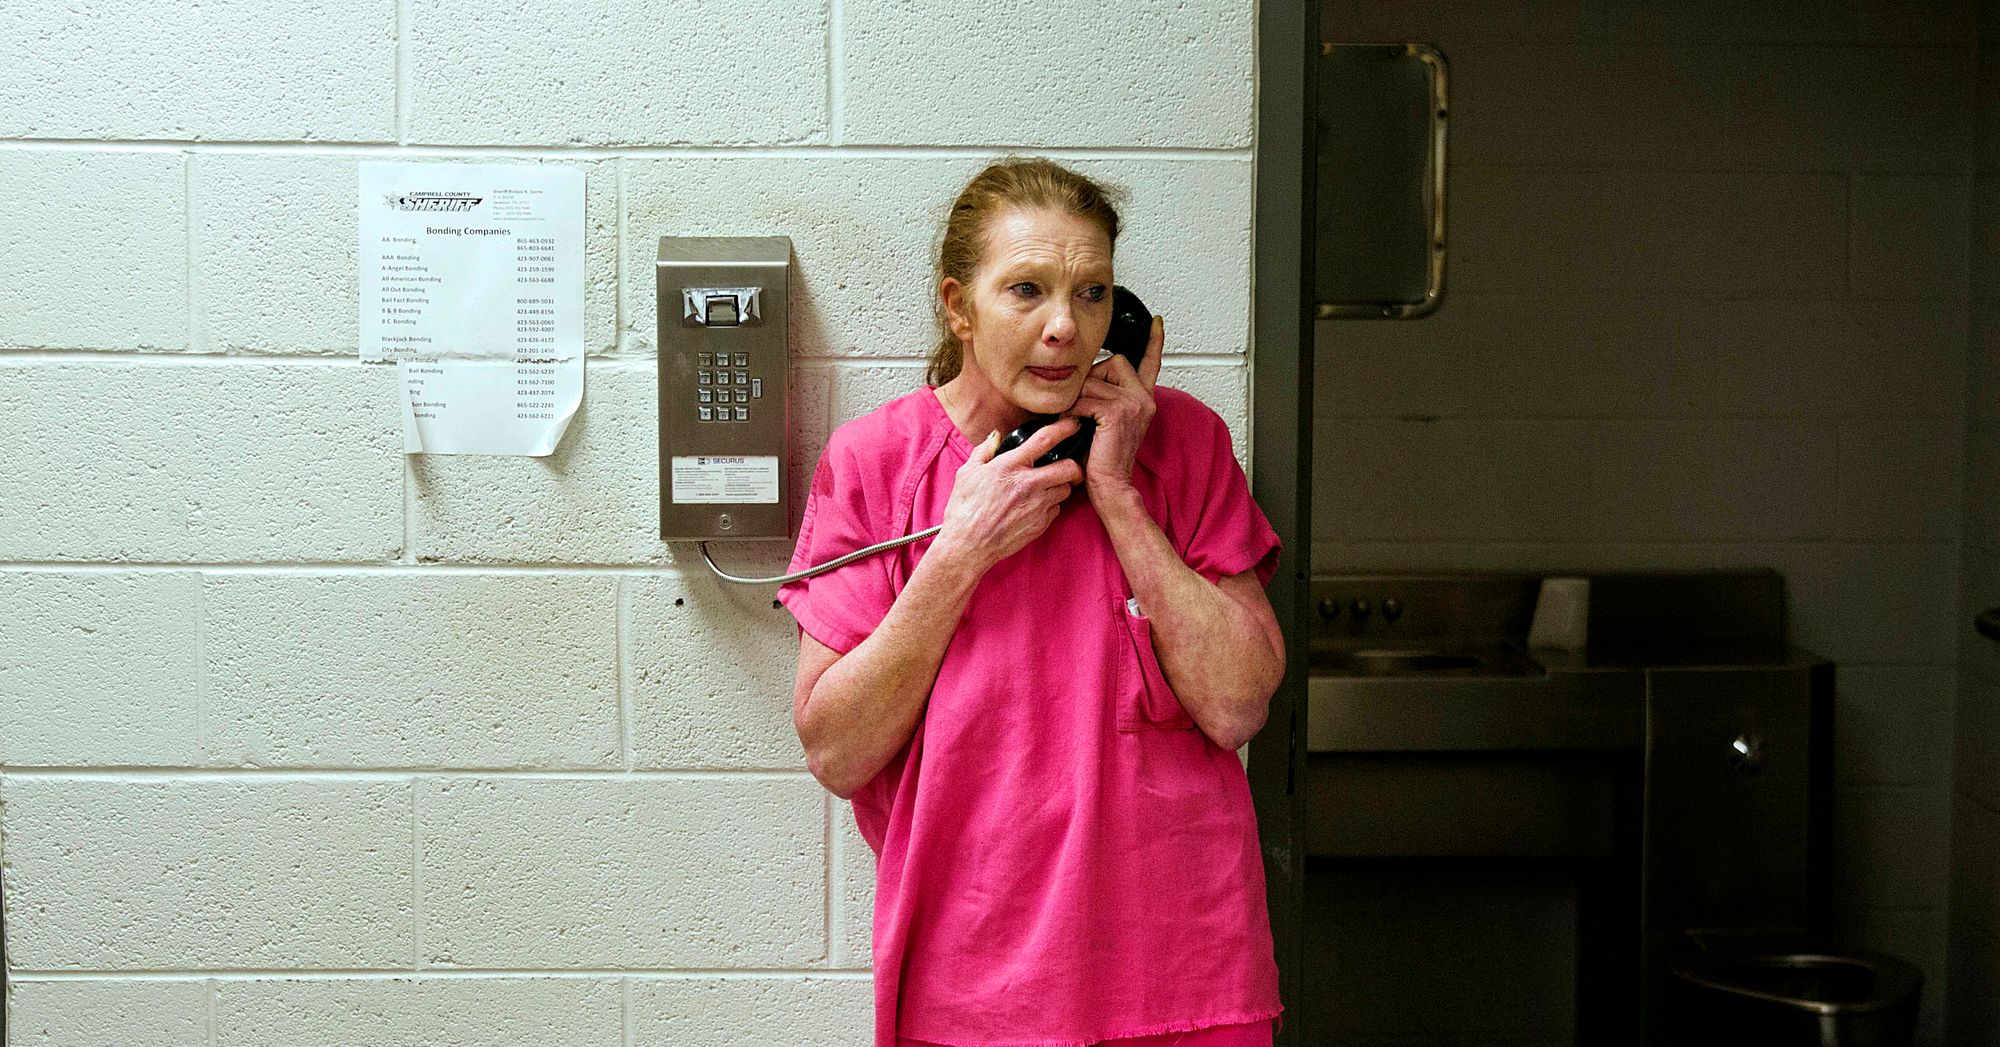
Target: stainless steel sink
[
  {"x": 1444, "y": 660},
  {"x": 1439, "y": 663},
  {"x": 1381, "y": 661}
]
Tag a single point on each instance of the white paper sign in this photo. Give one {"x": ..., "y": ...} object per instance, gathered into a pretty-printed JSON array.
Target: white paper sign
[
  {"x": 472, "y": 279},
  {"x": 487, "y": 406},
  {"x": 734, "y": 479}
]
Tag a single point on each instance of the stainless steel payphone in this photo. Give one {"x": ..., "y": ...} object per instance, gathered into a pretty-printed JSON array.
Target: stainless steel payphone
[{"x": 723, "y": 366}]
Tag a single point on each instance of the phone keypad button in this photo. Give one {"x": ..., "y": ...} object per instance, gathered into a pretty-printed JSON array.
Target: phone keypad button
[
  {"x": 743, "y": 414},
  {"x": 742, "y": 396},
  {"x": 757, "y": 387},
  {"x": 742, "y": 359},
  {"x": 705, "y": 413}
]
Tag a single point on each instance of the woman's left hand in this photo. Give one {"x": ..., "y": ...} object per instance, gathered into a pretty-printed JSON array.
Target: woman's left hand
[{"x": 1121, "y": 400}]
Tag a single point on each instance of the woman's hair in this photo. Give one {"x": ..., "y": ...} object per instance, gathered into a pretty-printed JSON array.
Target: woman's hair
[{"x": 1007, "y": 184}]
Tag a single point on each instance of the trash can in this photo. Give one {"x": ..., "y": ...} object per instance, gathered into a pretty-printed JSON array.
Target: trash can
[{"x": 1774, "y": 993}]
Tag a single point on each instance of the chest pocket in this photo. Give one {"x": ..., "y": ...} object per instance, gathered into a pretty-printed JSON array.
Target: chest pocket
[{"x": 1145, "y": 702}]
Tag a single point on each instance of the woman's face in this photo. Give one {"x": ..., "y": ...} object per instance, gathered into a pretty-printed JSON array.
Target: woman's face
[{"x": 1039, "y": 307}]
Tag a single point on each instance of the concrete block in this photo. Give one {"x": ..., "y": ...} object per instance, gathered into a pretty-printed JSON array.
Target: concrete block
[
  {"x": 1909, "y": 236},
  {"x": 858, "y": 391},
  {"x": 1556, "y": 481},
  {"x": 1975, "y": 765},
  {"x": 1224, "y": 388},
  {"x": 1443, "y": 481},
  {"x": 1566, "y": 105},
  {"x": 853, "y": 890},
  {"x": 595, "y": 500},
  {"x": 1972, "y": 1007},
  {"x": 1982, "y": 423},
  {"x": 1828, "y": 108},
  {"x": 1891, "y": 847},
  {"x": 97, "y": 253},
  {"x": 1900, "y": 481},
  {"x": 172, "y": 875},
  {"x": 1986, "y": 236},
  {"x": 1832, "y": 357},
  {"x": 1892, "y": 725},
  {"x": 79, "y": 1012},
  {"x": 99, "y": 669},
  {"x": 1909, "y": 106},
  {"x": 1136, "y": 73},
  {"x": 165, "y": 461},
  {"x": 863, "y": 280},
  {"x": 1910, "y": 592},
  {"x": 751, "y": 1011},
  {"x": 1523, "y": 357},
  {"x": 411, "y": 669},
  {"x": 811, "y": 421},
  {"x": 622, "y": 73},
  {"x": 1986, "y": 107},
  {"x": 418, "y": 1012},
  {"x": 232, "y": 70},
  {"x": 698, "y": 871},
  {"x": 275, "y": 263},
  {"x": 1945, "y": 23},
  {"x": 1708, "y": 480},
  {"x": 1456, "y": 22},
  {"x": 712, "y": 666},
  {"x": 1736, "y": 233},
  {"x": 1720, "y": 22},
  {"x": 1975, "y": 871}
]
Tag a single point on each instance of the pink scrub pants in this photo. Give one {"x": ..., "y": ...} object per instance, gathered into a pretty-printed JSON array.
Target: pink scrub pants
[{"x": 1250, "y": 1034}]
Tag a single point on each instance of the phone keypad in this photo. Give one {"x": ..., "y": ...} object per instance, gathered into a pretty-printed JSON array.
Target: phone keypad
[{"x": 725, "y": 378}]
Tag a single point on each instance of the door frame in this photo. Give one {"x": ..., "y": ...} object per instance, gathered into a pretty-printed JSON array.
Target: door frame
[{"x": 1281, "y": 384}]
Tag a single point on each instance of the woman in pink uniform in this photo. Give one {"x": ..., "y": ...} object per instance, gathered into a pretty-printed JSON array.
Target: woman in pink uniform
[{"x": 1035, "y": 712}]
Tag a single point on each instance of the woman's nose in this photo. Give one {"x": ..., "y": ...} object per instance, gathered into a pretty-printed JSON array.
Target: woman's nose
[{"x": 1060, "y": 330}]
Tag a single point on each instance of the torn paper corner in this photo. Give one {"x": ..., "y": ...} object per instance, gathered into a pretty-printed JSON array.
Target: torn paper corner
[{"x": 488, "y": 406}]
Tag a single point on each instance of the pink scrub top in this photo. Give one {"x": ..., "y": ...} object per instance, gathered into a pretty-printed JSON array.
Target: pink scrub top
[{"x": 1062, "y": 856}]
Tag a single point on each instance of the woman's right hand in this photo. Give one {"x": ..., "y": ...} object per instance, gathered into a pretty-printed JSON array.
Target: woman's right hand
[{"x": 999, "y": 504}]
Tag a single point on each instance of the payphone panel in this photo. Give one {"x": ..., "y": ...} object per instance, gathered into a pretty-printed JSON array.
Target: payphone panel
[{"x": 723, "y": 384}]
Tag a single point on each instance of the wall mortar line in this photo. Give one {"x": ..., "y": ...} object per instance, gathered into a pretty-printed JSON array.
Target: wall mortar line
[
  {"x": 188, "y": 217},
  {"x": 402, "y": 117},
  {"x": 826, "y": 812},
  {"x": 836, "y": 67},
  {"x": 204, "y": 752},
  {"x": 620, "y": 604},
  {"x": 416, "y": 881}
]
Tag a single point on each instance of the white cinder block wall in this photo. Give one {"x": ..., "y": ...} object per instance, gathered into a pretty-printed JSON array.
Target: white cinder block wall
[
  {"x": 1708, "y": 307},
  {"x": 303, "y": 742}
]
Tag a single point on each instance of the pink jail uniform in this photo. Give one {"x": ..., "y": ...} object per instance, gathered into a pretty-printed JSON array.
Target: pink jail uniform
[{"x": 1062, "y": 856}]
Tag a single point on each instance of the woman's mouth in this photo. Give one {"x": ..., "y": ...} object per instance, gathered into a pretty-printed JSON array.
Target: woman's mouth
[{"x": 1052, "y": 374}]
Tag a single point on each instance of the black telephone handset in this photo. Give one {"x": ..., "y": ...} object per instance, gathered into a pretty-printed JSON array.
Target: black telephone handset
[{"x": 1131, "y": 326}]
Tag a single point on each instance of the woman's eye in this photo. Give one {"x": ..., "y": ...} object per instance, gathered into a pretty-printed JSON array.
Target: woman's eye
[
  {"x": 1095, "y": 292},
  {"x": 1025, "y": 290}
]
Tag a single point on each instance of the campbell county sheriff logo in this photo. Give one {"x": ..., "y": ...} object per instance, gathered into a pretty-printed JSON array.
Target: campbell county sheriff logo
[{"x": 432, "y": 201}]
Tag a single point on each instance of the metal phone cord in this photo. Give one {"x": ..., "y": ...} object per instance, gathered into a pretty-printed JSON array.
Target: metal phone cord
[{"x": 822, "y": 568}]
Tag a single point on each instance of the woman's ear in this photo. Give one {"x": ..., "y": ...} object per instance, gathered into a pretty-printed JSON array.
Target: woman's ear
[{"x": 957, "y": 307}]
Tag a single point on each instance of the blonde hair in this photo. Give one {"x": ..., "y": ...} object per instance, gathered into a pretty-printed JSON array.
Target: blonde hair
[{"x": 1006, "y": 184}]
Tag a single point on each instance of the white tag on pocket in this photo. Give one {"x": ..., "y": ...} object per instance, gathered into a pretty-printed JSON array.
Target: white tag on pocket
[{"x": 1132, "y": 607}]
